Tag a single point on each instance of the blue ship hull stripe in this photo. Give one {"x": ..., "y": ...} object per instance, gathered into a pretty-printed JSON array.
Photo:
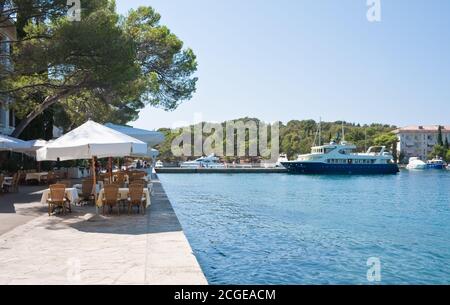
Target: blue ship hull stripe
[{"x": 325, "y": 168}]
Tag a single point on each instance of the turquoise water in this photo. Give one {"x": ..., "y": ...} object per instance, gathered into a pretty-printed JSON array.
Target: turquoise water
[{"x": 287, "y": 229}]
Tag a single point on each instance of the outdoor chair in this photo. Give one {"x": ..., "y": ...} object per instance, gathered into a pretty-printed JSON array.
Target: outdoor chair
[
  {"x": 50, "y": 178},
  {"x": 136, "y": 198},
  {"x": 12, "y": 187},
  {"x": 58, "y": 199},
  {"x": 139, "y": 182},
  {"x": 119, "y": 179},
  {"x": 111, "y": 198},
  {"x": 138, "y": 175},
  {"x": 86, "y": 190}
]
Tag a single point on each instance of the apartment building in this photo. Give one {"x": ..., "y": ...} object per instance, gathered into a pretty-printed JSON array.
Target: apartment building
[{"x": 418, "y": 141}]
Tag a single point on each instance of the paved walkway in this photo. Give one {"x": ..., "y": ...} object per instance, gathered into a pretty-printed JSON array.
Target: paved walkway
[
  {"x": 87, "y": 249},
  {"x": 18, "y": 209}
]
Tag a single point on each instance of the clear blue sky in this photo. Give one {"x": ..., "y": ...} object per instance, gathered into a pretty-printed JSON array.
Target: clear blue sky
[{"x": 301, "y": 59}]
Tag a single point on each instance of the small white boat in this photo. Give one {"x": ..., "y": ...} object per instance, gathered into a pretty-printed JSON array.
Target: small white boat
[
  {"x": 159, "y": 164},
  {"x": 210, "y": 161},
  {"x": 416, "y": 164},
  {"x": 282, "y": 158}
]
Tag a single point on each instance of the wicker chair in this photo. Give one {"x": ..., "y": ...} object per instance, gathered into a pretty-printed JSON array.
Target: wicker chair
[
  {"x": 50, "y": 178},
  {"x": 119, "y": 179},
  {"x": 86, "y": 190},
  {"x": 138, "y": 181},
  {"x": 111, "y": 198},
  {"x": 136, "y": 197},
  {"x": 137, "y": 175},
  {"x": 58, "y": 198}
]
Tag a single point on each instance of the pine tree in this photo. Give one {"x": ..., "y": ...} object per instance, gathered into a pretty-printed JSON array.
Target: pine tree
[{"x": 440, "y": 141}]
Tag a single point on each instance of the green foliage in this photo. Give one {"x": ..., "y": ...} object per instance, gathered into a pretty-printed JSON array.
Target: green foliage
[
  {"x": 297, "y": 137},
  {"x": 447, "y": 156},
  {"x": 440, "y": 141},
  {"x": 438, "y": 151},
  {"x": 106, "y": 67}
]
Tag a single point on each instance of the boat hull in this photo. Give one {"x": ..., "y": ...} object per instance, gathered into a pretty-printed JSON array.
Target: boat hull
[
  {"x": 340, "y": 169},
  {"x": 436, "y": 166}
]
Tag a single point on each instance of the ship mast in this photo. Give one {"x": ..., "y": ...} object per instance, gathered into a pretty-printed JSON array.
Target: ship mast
[
  {"x": 343, "y": 132},
  {"x": 320, "y": 131}
]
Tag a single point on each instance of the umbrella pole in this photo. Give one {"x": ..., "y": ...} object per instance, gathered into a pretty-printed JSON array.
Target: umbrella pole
[
  {"x": 94, "y": 184},
  {"x": 110, "y": 169}
]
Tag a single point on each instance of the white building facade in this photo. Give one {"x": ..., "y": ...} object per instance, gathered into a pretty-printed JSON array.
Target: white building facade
[
  {"x": 7, "y": 117},
  {"x": 419, "y": 141}
]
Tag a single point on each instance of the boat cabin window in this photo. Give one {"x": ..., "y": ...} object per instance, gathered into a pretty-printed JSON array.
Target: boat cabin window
[{"x": 317, "y": 150}]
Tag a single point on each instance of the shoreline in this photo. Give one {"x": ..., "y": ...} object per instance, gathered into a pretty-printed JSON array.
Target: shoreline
[{"x": 178, "y": 170}]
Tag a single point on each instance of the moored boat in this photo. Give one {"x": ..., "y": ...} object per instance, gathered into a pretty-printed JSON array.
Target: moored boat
[
  {"x": 416, "y": 164},
  {"x": 341, "y": 159},
  {"x": 281, "y": 158},
  {"x": 436, "y": 164},
  {"x": 210, "y": 161}
]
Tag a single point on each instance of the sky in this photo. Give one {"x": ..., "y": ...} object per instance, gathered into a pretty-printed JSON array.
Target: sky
[{"x": 306, "y": 59}]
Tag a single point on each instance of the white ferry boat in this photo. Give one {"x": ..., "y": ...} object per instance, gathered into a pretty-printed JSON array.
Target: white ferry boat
[{"x": 340, "y": 159}]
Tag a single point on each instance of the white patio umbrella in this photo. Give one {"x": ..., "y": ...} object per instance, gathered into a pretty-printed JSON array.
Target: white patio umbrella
[
  {"x": 152, "y": 138},
  {"x": 91, "y": 140},
  {"x": 88, "y": 141},
  {"x": 33, "y": 146},
  {"x": 12, "y": 144}
]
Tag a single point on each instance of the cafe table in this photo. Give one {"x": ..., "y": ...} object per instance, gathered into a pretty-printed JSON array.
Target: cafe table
[
  {"x": 123, "y": 195},
  {"x": 71, "y": 194},
  {"x": 35, "y": 176}
]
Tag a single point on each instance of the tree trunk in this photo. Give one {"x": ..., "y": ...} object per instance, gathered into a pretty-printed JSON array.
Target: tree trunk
[{"x": 49, "y": 101}]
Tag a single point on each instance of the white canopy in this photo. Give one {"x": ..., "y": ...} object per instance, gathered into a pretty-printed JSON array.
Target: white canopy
[
  {"x": 33, "y": 146},
  {"x": 152, "y": 138},
  {"x": 91, "y": 140},
  {"x": 153, "y": 153},
  {"x": 12, "y": 144}
]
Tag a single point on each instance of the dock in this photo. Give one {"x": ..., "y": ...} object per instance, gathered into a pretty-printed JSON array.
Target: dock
[{"x": 178, "y": 170}]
